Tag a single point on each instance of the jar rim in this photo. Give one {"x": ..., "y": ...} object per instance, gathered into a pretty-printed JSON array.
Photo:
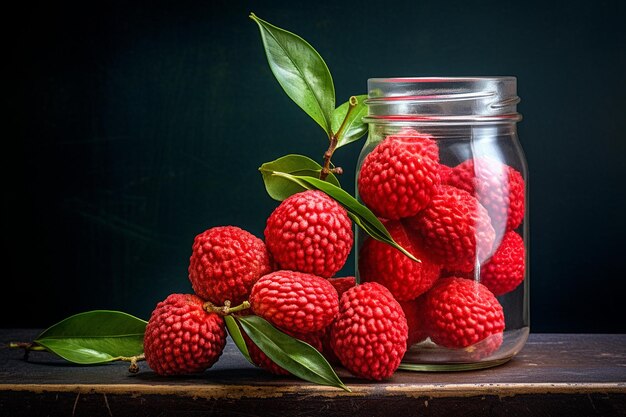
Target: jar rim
[
  {"x": 442, "y": 120},
  {"x": 473, "y": 99},
  {"x": 444, "y": 79}
]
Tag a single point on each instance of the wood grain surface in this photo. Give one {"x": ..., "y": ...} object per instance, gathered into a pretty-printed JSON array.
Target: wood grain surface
[{"x": 568, "y": 374}]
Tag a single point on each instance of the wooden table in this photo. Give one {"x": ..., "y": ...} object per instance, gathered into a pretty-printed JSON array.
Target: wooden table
[{"x": 564, "y": 375}]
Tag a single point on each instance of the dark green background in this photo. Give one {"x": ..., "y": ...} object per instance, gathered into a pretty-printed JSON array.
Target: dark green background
[{"x": 131, "y": 127}]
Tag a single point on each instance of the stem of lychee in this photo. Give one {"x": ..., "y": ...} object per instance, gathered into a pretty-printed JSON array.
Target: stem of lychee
[
  {"x": 226, "y": 309},
  {"x": 133, "y": 368},
  {"x": 27, "y": 346},
  {"x": 334, "y": 139}
]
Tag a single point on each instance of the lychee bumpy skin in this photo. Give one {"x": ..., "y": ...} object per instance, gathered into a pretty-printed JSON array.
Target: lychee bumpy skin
[
  {"x": 370, "y": 334},
  {"x": 444, "y": 173},
  {"x": 403, "y": 277},
  {"x": 504, "y": 272},
  {"x": 398, "y": 178},
  {"x": 225, "y": 262},
  {"x": 417, "y": 142},
  {"x": 459, "y": 312},
  {"x": 456, "y": 229},
  {"x": 498, "y": 187},
  {"x": 295, "y": 301},
  {"x": 309, "y": 232},
  {"x": 182, "y": 338}
]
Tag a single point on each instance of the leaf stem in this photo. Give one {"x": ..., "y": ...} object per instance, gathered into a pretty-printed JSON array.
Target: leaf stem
[
  {"x": 352, "y": 103},
  {"x": 26, "y": 345},
  {"x": 334, "y": 139},
  {"x": 133, "y": 368}
]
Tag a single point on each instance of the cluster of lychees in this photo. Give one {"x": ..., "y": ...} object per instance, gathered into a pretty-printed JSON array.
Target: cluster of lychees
[
  {"x": 460, "y": 222},
  {"x": 287, "y": 280}
]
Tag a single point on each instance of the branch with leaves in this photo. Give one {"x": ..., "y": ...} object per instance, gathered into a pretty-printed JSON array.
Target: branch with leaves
[{"x": 304, "y": 76}]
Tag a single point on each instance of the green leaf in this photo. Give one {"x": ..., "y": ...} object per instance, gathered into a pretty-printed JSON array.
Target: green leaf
[
  {"x": 296, "y": 356},
  {"x": 354, "y": 128},
  {"x": 279, "y": 188},
  {"x": 95, "y": 337},
  {"x": 300, "y": 71},
  {"x": 235, "y": 334},
  {"x": 361, "y": 215}
]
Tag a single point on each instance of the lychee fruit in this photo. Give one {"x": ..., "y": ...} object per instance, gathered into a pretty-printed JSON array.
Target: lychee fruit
[
  {"x": 459, "y": 312},
  {"x": 260, "y": 359},
  {"x": 295, "y": 301},
  {"x": 498, "y": 187},
  {"x": 456, "y": 229},
  {"x": 225, "y": 262},
  {"x": 415, "y": 321},
  {"x": 505, "y": 270},
  {"x": 181, "y": 337},
  {"x": 370, "y": 334},
  {"x": 310, "y": 232},
  {"x": 342, "y": 284},
  {"x": 399, "y": 176},
  {"x": 403, "y": 277},
  {"x": 444, "y": 173},
  {"x": 417, "y": 142}
]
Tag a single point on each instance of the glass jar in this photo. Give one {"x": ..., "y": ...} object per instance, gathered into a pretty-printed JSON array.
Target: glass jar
[{"x": 443, "y": 169}]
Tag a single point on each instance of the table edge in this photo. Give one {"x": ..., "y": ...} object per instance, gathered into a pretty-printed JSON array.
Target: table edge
[{"x": 214, "y": 391}]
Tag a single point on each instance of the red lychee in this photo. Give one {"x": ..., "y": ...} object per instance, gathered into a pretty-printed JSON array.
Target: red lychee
[
  {"x": 455, "y": 228},
  {"x": 417, "y": 142},
  {"x": 444, "y": 173},
  {"x": 498, "y": 187},
  {"x": 182, "y": 338},
  {"x": 403, "y": 277},
  {"x": 459, "y": 312},
  {"x": 369, "y": 337},
  {"x": 505, "y": 270},
  {"x": 310, "y": 232},
  {"x": 399, "y": 176},
  {"x": 225, "y": 262},
  {"x": 295, "y": 301}
]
